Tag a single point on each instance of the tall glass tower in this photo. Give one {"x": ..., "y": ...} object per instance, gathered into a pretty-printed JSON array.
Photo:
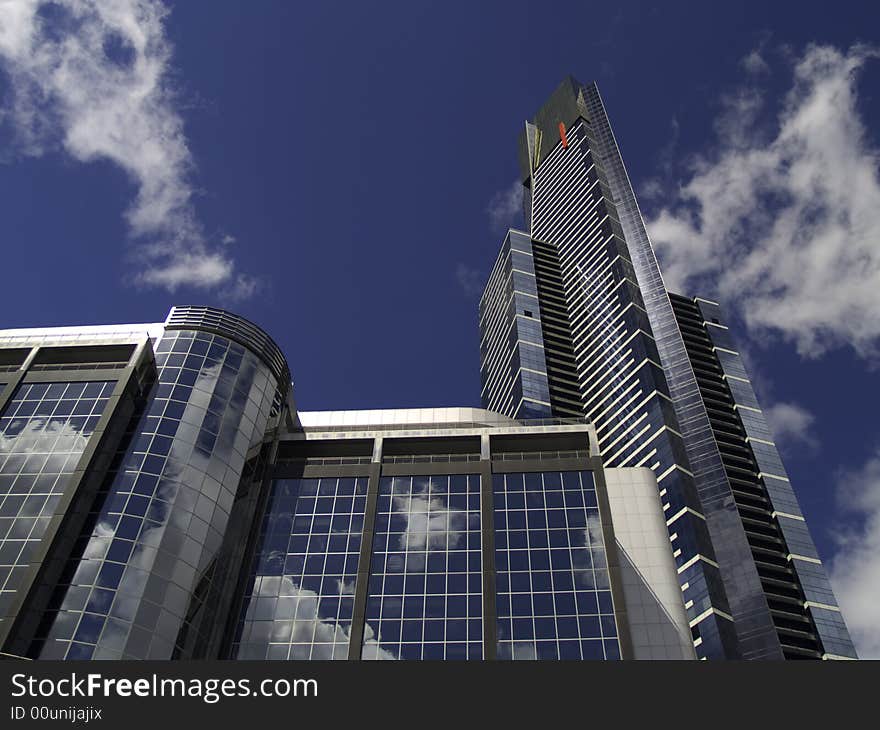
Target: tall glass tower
[{"x": 576, "y": 319}]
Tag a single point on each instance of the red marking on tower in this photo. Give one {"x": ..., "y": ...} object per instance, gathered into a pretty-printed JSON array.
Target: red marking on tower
[{"x": 562, "y": 134}]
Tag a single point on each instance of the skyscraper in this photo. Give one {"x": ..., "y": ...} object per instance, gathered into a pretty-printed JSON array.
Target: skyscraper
[{"x": 575, "y": 319}]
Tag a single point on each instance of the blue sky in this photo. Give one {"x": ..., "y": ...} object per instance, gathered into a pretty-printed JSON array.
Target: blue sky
[{"x": 342, "y": 175}]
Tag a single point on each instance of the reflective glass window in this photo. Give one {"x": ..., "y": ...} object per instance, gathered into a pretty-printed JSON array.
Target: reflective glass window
[
  {"x": 553, "y": 592},
  {"x": 300, "y": 594},
  {"x": 425, "y": 594},
  {"x": 44, "y": 430}
]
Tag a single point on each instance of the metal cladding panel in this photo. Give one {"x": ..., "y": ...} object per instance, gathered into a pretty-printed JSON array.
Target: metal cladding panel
[
  {"x": 238, "y": 329},
  {"x": 653, "y": 598}
]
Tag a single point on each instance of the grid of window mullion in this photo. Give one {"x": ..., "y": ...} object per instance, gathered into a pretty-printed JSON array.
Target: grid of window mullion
[
  {"x": 302, "y": 587},
  {"x": 568, "y": 527},
  {"x": 390, "y": 610},
  {"x": 550, "y": 552},
  {"x": 339, "y": 648},
  {"x": 563, "y": 540},
  {"x": 313, "y": 654},
  {"x": 386, "y": 551},
  {"x": 43, "y": 433},
  {"x": 606, "y": 635}
]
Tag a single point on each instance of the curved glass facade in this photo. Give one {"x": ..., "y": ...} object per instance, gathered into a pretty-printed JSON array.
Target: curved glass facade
[{"x": 136, "y": 585}]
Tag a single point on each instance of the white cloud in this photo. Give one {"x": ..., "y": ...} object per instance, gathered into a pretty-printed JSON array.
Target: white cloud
[
  {"x": 855, "y": 569},
  {"x": 185, "y": 267},
  {"x": 652, "y": 189},
  {"x": 791, "y": 424},
  {"x": 786, "y": 225},
  {"x": 469, "y": 279},
  {"x": 754, "y": 63},
  {"x": 505, "y": 210},
  {"x": 92, "y": 77},
  {"x": 244, "y": 287}
]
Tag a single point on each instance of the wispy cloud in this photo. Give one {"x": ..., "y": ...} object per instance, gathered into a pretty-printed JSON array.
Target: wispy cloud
[
  {"x": 791, "y": 425},
  {"x": 785, "y": 222},
  {"x": 505, "y": 209},
  {"x": 469, "y": 279},
  {"x": 754, "y": 62},
  {"x": 655, "y": 188},
  {"x": 92, "y": 77},
  {"x": 855, "y": 569}
]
